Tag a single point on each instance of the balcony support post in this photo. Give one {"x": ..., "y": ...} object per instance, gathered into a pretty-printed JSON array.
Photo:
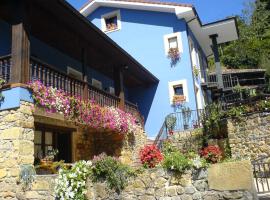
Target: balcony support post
[
  {"x": 217, "y": 60},
  {"x": 119, "y": 86},
  {"x": 85, "y": 72},
  {"x": 20, "y": 48}
]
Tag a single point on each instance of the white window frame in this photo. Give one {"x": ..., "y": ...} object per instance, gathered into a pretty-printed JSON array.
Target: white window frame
[
  {"x": 172, "y": 84},
  {"x": 96, "y": 83},
  {"x": 109, "y": 15},
  {"x": 77, "y": 74},
  {"x": 179, "y": 42}
]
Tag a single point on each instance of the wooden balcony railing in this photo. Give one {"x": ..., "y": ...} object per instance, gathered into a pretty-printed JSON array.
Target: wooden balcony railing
[
  {"x": 50, "y": 76},
  {"x": 5, "y": 64}
]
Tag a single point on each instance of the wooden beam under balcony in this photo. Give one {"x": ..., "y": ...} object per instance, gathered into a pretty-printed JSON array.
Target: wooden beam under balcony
[{"x": 119, "y": 86}]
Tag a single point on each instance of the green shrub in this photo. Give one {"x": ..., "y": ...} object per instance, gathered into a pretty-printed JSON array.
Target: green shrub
[
  {"x": 177, "y": 162},
  {"x": 109, "y": 169}
]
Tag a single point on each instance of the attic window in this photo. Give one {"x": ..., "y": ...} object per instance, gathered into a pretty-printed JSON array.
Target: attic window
[
  {"x": 178, "y": 90},
  {"x": 111, "y": 21},
  {"x": 173, "y": 41}
]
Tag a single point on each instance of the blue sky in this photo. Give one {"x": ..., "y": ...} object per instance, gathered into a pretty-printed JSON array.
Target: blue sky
[{"x": 208, "y": 10}]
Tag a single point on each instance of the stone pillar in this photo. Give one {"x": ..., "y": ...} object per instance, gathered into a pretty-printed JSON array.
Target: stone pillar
[{"x": 16, "y": 147}]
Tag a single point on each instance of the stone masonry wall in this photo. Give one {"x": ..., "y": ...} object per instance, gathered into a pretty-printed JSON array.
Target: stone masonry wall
[
  {"x": 152, "y": 184},
  {"x": 16, "y": 147},
  {"x": 189, "y": 140},
  {"x": 250, "y": 137}
]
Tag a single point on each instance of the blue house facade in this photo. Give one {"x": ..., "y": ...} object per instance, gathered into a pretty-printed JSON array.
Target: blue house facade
[{"x": 148, "y": 31}]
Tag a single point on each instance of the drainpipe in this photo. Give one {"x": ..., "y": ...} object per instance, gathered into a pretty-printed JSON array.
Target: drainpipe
[{"x": 217, "y": 60}]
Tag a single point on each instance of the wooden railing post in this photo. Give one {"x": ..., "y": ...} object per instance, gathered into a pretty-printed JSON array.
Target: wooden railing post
[
  {"x": 119, "y": 86},
  {"x": 20, "y": 50}
]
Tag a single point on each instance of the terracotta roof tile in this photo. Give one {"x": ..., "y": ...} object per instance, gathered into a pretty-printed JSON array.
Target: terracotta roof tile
[{"x": 147, "y": 2}]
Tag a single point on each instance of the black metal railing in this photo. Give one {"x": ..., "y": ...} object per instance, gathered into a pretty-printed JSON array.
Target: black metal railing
[
  {"x": 261, "y": 172},
  {"x": 178, "y": 122}
]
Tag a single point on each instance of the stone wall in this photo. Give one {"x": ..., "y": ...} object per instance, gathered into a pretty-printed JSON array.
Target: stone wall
[
  {"x": 158, "y": 184},
  {"x": 250, "y": 137},
  {"x": 16, "y": 147},
  {"x": 189, "y": 140}
]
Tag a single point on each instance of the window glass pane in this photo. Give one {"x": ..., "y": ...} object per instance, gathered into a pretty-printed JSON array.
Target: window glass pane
[
  {"x": 37, "y": 137},
  {"x": 48, "y": 138},
  {"x": 178, "y": 90},
  {"x": 111, "y": 23},
  {"x": 38, "y": 151},
  {"x": 48, "y": 149},
  {"x": 173, "y": 42}
]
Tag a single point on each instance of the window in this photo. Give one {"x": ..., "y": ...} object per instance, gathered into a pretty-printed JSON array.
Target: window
[
  {"x": 111, "y": 90},
  {"x": 96, "y": 83},
  {"x": 111, "y": 21},
  {"x": 173, "y": 40},
  {"x": 74, "y": 73},
  {"x": 47, "y": 140},
  {"x": 179, "y": 88}
]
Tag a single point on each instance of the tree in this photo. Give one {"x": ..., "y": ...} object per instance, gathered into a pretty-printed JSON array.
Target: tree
[{"x": 252, "y": 49}]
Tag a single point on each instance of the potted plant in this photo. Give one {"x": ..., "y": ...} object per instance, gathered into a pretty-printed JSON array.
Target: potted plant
[
  {"x": 174, "y": 55},
  {"x": 196, "y": 71},
  {"x": 186, "y": 113},
  {"x": 170, "y": 123},
  {"x": 49, "y": 157}
]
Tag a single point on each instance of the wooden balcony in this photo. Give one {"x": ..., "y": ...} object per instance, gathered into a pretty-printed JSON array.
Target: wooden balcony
[{"x": 49, "y": 76}]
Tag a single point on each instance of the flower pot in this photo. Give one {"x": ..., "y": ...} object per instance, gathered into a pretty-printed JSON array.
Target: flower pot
[{"x": 45, "y": 162}]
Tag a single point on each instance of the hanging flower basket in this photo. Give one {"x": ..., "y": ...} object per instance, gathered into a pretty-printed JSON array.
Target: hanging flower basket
[{"x": 174, "y": 55}]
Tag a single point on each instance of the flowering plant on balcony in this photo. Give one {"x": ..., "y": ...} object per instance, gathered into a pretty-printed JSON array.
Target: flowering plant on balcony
[
  {"x": 211, "y": 153},
  {"x": 82, "y": 112},
  {"x": 178, "y": 100},
  {"x": 174, "y": 55},
  {"x": 150, "y": 156}
]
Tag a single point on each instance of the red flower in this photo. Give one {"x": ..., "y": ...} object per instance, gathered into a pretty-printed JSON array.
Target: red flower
[
  {"x": 150, "y": 156},
  {"x": 211, "y": 153}
]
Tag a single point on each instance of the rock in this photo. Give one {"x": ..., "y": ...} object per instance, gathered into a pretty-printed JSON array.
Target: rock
[
  {"x": 171, "y": 191},
  {"x": 197, "y": 196},
  {"x": 232, "y": 195},
  {"x": 186, "y": 197},
  {"x": 201, "y": 185},
  {"x": 146, "y": 197},
  {"x": 3, "y": 173},
  {"x": 190, "y": 190},
  {"x": 160, "y": 182}
]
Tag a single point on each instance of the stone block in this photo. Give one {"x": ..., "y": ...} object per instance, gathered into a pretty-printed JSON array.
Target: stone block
[
  {"x": 231, "y": 176},
  {"x": 13, "y": 133},
  {"x": 40, "y": 185},
  {"x": 3, "y": 173}
]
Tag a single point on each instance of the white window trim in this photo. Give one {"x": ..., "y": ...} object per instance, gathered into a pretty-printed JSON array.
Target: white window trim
[
  {"x": 179, "y": 41},
  {"x": 175, "y": 83},
  {"x": 71, "y": 70},
  {"x": 108, "y": 15},
  {"x": 95, "y": 81}
]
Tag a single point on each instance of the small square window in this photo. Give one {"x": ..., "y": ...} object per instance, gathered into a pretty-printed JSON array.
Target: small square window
[
  {"x": 111, "y": 23},
  {"x": 178, "y": 90},
  {"x": 173, "y": 43}
]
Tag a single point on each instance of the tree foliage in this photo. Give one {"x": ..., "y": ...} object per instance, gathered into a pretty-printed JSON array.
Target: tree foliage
[{"x": 252, "y": 50}]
